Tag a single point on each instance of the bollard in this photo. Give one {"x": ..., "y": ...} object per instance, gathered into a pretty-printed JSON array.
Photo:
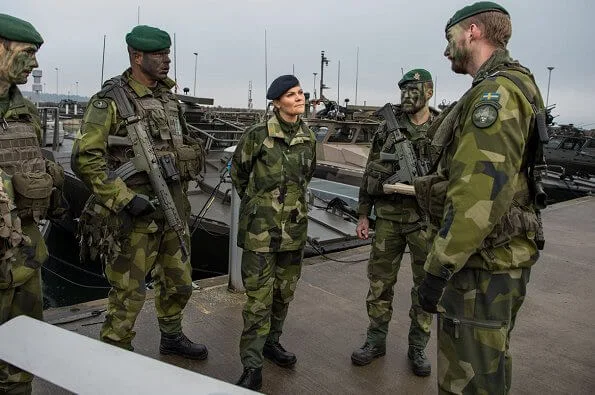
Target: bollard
[{"x": 235, "y": 253}]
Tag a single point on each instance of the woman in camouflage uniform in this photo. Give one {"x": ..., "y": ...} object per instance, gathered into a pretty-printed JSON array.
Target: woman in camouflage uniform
[{"x": 271, "y": 168}]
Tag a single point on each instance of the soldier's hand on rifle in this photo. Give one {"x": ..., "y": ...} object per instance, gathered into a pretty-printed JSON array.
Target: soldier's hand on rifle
[
  {"x": 363, "y": 227},
  {"x": 140, "y": 205}
]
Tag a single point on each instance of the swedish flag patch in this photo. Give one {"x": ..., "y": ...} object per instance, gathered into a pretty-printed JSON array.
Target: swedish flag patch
[{"x": 490, "y": 96}]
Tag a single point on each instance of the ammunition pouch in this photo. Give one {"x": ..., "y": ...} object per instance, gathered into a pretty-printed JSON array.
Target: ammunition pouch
[
  {"x": 430, "y": 192},
  {"x": 57, "y": 207},
  {"x": 32, "y": 194},
  {"x": 100, "y": 232},
  {"x": 190, "y": 160},
  {"x": 377, "y": 173},
  {"x": 11, "y": 238},
  {"x": 518, "y": 221}
]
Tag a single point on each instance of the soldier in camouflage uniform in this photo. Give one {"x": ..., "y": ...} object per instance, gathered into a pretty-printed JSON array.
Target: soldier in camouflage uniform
[
  {"x": 30, "y": 189},
  {"x": 271, "y": 168},
  {"x": 398, "y": 225},
  {"x": 120, "y": 223},
  {"x": 481, "y": 206}
]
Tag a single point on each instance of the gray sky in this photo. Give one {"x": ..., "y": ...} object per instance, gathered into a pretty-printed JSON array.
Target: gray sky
[{"x": 391, "y": 34}]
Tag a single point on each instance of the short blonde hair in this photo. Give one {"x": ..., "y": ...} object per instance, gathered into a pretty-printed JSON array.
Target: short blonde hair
[{"x": 495, "y": 25}]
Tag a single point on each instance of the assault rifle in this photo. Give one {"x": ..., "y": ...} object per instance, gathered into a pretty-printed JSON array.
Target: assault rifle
[
  {"x": 403, "y": 157},
  {"x": 146, "y": 160}
]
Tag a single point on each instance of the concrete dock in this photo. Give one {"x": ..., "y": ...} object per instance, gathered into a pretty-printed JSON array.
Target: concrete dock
[{"x": 553, "y": 344}]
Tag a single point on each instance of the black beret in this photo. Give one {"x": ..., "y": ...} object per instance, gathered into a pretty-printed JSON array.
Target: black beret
[
  {"x": 148, "y": 39},
  {"x": 15, "y": 29},
  {"x": 281, "y": 85},
  {"x": 474, "y": 9}
]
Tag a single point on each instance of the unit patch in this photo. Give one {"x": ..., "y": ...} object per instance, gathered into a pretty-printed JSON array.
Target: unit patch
[
  {"x": 100, "y": 104},
  {"x": 485, "y": 114}
]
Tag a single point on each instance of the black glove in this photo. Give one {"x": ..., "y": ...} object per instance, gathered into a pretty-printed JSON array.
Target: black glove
[
  {"x": 139, "y": 205},
  {"x": 429, "y": 292}
]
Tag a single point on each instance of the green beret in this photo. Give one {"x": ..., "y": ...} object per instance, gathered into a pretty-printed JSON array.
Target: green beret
[
  {"x": 474, "y": 9},
  {"x": 148, "y": 39},
  {"x": 415, "y": 75},
  {"x": 15, "y": 29}
]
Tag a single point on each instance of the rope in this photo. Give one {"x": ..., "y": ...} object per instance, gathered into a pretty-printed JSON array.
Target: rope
[{"x": 73, "y": 282}]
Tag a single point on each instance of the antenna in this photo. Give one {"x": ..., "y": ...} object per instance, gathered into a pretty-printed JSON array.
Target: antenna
[
  {"x": 138, "y": 15},
  {"x": 435, "y": 90},
  {"x": 356, "y": 73},
  {"x": 323, "y": 62},
  {"x": 266, "y": 74},
  {"x": 338, "y": 83},
  {"x": 250, "y": 105},
  {"x": 175, "y": 67},
  {"x": 102, "y": 62}
]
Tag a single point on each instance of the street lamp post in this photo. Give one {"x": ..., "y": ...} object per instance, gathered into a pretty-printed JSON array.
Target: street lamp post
[
  {"x": 195, "y": 70},
  {"x": 57, "y": 86},
  {"x": 549, "y": 79},
  {"x": 315, "y": 74}
]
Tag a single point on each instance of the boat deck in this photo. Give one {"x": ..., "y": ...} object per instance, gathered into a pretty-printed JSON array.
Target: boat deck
[{"x": 553, "y": 343}]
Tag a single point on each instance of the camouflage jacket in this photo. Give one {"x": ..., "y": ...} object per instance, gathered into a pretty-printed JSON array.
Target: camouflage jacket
[
  {"x": 94, "y": 159},
  {"x": 19, "y": 107},
  {"x": 395, "y": 207},
  {"x": 483, "y": 164},
  {"x": 271, "y": 168}
]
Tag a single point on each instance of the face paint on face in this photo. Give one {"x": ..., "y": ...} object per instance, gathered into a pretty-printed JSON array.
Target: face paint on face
[
  {"x": 17, "y": 62},
  {"x": 457, "y": 50},
  {"x": 156, "y": 64},
  {"x": 412, "y": 97}
]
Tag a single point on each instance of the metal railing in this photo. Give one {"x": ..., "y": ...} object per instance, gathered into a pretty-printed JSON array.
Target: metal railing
[
  {"x": 44, "y": 112},
  {"x": 213, "y": 143}
]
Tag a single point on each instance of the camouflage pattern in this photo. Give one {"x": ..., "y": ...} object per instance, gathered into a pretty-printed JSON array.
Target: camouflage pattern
[
  {"x": 484, "y": 171},
  {"x": 271, "y": 168},
  {"x": 270, "y": 279},
  {"x": 474, "y": 336},
  {"x": 399, "y": 208},
  {"x": 398, "y": 225},
  {"x": 390, "y": 240},
  {"x": 146, "y": 251},
  {"x": 485, "y": 176},
  {"x": 21, "y": 295},
  {"x": 150, "y": 246}
]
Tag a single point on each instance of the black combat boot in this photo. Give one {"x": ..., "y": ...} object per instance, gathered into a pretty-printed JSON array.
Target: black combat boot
[
  {"x": 251, "y": 379},
  {"x": 179, "y": 344},
  {"x": 366, "y": 353},
  {"x": 276, "y": 353},
  {"x": 420, "y": 365}
]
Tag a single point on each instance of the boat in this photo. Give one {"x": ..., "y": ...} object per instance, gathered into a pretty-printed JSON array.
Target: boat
[{"x": 331, "y": 228}]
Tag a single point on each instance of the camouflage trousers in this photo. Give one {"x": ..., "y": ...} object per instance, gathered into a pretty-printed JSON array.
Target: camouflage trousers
[
  {"x": 270, "y": 280},
  {"x": 23, "y": 297},
  {"x": 474, "y": 332},
  {"x": 142, "y": 252},
  {"x": 388, "y": 247}
]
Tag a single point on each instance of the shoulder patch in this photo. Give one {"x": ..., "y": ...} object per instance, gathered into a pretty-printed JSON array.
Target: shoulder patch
[
  {"x": 100, "y": 104},
  {"x": 490, "y": 96},
  {"x": 485, "y": 114}
]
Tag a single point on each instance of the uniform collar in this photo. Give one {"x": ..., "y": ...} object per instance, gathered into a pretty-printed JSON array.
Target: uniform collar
[
  {"x": 16, "y": 101},
  {"x": 279, "y": 128},
  {"x": 499, "y": 58},
  {"x": 142, "y": 90}
]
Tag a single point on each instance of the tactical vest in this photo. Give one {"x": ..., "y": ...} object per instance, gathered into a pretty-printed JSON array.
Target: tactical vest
[
  {"x": 378, "y": 171},
  {"x": 21, "y": 157},
  {"x": 160, "y": 118},
  {"x": 430, "y": 190}
]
